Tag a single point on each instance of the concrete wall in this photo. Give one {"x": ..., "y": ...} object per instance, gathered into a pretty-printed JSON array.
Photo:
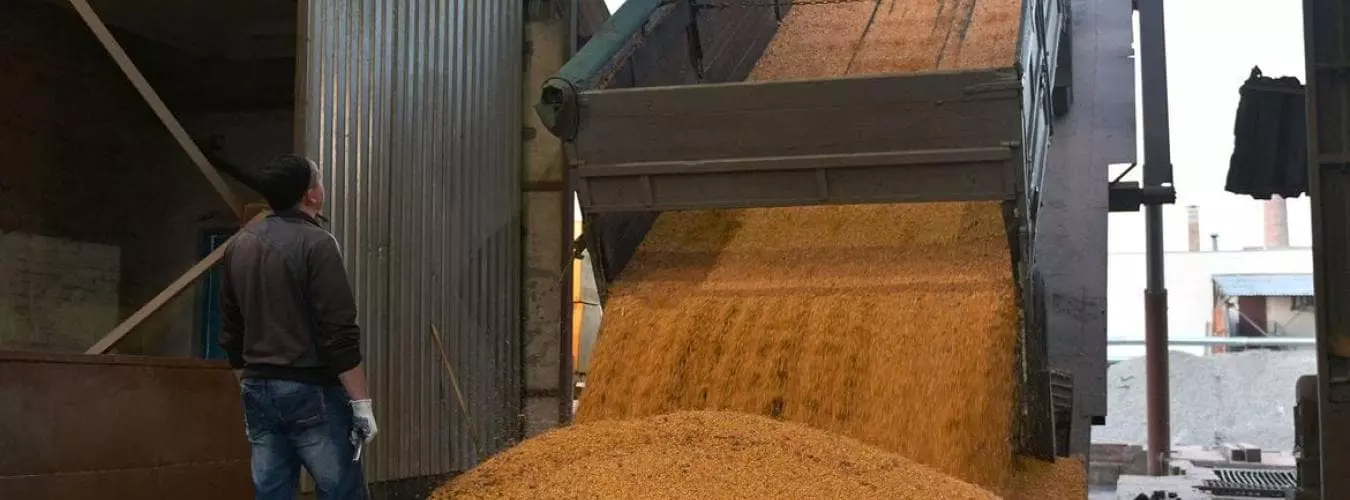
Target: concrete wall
[
  {"x": 1190, "y": 285},
  {"x": 85, "y": 161},
  {"x": 1283, "y": 320}
]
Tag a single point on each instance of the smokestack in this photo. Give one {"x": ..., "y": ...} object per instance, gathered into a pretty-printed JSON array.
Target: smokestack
[
  {"x": 1193, "y": 228},
  {"x": 1276, "y": 222},
  {"x": 1213, "y": 242}
]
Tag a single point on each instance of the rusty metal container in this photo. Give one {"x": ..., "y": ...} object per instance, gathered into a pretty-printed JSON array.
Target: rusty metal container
[{"x": 78, "y": 427}]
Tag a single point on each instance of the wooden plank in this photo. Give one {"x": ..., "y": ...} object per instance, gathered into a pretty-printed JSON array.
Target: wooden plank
[
  {"x": 157, "y": 105},
  {"x": 173, "y": 290},
  {"x": 459, "y": 394},
  {"x": 760, "y": 119}
]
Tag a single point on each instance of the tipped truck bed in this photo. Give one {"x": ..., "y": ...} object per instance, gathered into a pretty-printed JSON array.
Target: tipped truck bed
[{"x": 928, "y": 136}]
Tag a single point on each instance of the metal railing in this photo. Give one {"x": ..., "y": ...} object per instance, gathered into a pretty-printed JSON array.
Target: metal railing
[{"x": 1226, "y": 341}]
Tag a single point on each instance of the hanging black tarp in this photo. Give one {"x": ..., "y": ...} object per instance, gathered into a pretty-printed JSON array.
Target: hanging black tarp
[{"x": 1270, "y": 144}]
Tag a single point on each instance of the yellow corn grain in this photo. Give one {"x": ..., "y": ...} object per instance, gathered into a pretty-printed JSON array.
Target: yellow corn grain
[
  {"x": 701, "y": 455},
  {"x": 1065, "y": 479},
  {"x": 895, "y": 324},
  {"x": 891, "y": 324}
]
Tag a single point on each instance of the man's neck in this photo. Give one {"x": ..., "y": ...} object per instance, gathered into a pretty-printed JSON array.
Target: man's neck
[{"x": 305, "y": 212}]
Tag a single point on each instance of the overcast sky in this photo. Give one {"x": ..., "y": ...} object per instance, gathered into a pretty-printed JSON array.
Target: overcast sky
[
  {"x": 613, "y": 4},
  {"x": 1211, "y": 47}
]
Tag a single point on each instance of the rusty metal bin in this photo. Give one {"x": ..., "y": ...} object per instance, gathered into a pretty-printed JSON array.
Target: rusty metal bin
[{"x": 102, "y": 427}]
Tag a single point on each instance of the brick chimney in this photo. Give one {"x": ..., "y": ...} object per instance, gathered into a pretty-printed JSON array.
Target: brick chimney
[
  {"x": 1276, "y": 223},
  {"x": 1193, "y": 228}
]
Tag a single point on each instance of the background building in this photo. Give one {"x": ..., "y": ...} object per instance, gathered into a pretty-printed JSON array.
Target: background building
[{"x": 1224, "y": 234}]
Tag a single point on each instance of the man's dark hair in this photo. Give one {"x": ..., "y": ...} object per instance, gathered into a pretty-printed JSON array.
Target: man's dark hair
[{"x": 284, "y": 180}]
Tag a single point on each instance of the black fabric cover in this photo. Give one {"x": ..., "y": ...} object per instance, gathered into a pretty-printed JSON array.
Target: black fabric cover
[{"x": 1270, "y": 146}]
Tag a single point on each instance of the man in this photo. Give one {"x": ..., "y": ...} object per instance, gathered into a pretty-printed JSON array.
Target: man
[{"x": 289, "y": 329}]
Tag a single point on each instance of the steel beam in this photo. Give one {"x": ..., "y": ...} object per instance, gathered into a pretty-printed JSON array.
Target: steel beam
[
  {"x": 1157, "y": 172},
  {"x": 1327, "y": 48},
  {"x": 975, "y": 174}
]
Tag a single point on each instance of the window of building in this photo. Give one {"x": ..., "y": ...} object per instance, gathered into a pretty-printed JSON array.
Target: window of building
[{"x": 1303, "y": 303}]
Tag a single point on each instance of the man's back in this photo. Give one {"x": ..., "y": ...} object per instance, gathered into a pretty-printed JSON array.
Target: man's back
[{"x": 288, "y": 309}]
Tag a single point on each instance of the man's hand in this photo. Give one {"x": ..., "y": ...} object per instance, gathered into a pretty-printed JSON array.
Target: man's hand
[{"x": 363, "y": 420}]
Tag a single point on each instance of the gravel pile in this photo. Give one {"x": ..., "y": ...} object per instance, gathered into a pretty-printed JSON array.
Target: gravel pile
[
  {"x": 1245, "y": 397},
  {"x": 699, "y": 456}
]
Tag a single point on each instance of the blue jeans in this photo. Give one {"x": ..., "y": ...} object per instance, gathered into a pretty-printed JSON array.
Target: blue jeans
[{"x": 291, "y": 424}]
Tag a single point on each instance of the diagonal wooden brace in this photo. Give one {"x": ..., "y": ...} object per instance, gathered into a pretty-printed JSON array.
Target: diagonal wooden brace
[
  {"x": 157, "y": 105},
  {"x": 170, "y": 292}
]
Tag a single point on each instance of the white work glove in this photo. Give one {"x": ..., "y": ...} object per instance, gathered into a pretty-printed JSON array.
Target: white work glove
[{"x": 363, "y": 420}]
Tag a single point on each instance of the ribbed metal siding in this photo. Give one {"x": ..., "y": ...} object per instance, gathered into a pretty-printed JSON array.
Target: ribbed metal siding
[
  {"x": 1265, "y": 285},
  {"x": 414, "y": 115}
]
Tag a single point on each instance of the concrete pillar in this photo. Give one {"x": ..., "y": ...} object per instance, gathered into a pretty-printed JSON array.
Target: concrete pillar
[
  {"x": 1193, "y": 228},
  {"x": 1276, "y": 222},
  {"x": 548, "y": 226}
]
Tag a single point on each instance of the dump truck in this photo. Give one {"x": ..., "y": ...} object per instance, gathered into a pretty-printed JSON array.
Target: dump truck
[{"x": 700, "y": 139}]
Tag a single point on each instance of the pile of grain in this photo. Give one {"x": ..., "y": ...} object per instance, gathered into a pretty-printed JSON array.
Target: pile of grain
[
  {"x": 820, "y": 41},
  {"x": 701, "y": 455},
  {"x": 891, "y": 324},
  {"x": 1065, "y": 479},
  {"x": 894, "y": 325}
]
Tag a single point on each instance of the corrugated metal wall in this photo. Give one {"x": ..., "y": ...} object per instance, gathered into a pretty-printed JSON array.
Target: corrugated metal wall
[{"x": 413, "y": 113}]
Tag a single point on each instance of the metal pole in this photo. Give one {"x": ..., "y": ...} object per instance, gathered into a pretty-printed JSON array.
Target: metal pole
[
  {"x": 1155, "y": 347},
  {"x": 1227, "y": 341},
  {"x": 1157, "y": 172},
  {"x": 566, "y": 372}
]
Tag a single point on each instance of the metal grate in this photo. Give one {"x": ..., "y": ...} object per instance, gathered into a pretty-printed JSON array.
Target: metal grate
[
  {"x": 1251, "y": 483},
  {"x": 1061, "y": 390}
]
